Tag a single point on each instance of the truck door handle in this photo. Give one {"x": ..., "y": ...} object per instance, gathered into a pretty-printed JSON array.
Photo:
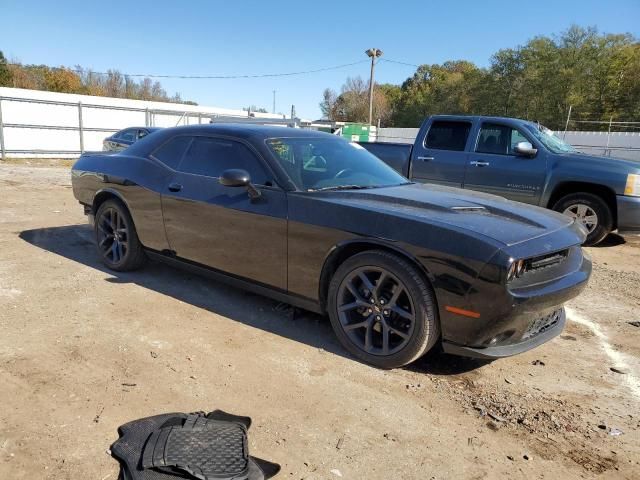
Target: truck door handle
[
  {"x": 478, "y": 163},
  {"x": 426, "y": 159},
  {"x": 175, "y": 187}
]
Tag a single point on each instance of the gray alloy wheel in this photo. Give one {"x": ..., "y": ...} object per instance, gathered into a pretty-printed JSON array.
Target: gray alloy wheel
[
  {"x": 375, "y": 310},
  {"x": 589, "y": 210},
  {"x": 383, "y": 309},
  {"x": 116, "y": 238},
  {"x": 583, "y": 214}
]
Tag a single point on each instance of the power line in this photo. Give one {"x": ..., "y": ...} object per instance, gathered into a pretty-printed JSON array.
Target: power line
[
  {"x": 210, "y": 77},
  {"x": 399, "y": 63}
]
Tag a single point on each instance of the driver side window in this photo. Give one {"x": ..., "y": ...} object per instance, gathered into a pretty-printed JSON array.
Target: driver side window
[{"x": 498, "y": 139}]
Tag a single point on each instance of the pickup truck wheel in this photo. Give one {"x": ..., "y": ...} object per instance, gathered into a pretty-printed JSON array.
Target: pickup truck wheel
[
  {"x": 590, "y": 210},
  {"x": 382, "y": 309},
  {"x": 116, "y": 238}
]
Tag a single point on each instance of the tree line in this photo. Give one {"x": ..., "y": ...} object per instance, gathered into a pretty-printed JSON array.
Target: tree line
[
  {"x": 83, "y": 81},
  {"x": 598, "y": 75}
]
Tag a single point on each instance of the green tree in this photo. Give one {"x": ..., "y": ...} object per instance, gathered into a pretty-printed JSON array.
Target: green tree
[
  {"x": 598, "y": 75},
  {"x": 6, "y": 78}
]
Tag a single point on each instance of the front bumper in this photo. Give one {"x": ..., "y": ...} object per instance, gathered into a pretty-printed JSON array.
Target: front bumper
[
  {"x": 517, "y": 316},
  {"x": 501, "y": 351},
  {"x": 628, "y": 215}
]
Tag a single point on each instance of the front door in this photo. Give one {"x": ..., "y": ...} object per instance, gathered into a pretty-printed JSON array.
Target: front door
[
  {"x": 221, "y": 227},
  {"x": 442, "y": 157},
  {"x": 494, "y": 167}
]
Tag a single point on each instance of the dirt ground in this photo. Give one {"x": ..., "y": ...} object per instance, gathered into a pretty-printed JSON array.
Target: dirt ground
[{"x": 84, "y": 350}]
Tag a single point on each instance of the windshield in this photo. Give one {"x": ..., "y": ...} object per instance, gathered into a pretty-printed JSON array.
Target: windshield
[
  {"x": 549, "y": 140},
  {"x": 331, "y": 163}
]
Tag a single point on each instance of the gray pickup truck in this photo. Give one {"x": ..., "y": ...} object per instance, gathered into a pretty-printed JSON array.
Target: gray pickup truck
[{"x": 522, "y": 161}]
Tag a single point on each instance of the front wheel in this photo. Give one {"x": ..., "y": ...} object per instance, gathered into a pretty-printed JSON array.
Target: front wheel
[
  {"x": 382, "y": 309},
  {"x": 589, "y": 210},
  {"x": 116, "y": 238}
]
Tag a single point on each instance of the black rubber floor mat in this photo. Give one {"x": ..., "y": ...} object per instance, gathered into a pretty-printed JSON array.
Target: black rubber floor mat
[
  {"x": 195, "y": 446},
  {"x": 206, "y": 448}
]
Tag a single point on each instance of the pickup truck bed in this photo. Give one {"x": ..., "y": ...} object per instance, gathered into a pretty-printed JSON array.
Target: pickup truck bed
[{"x": 396, "y": 155}]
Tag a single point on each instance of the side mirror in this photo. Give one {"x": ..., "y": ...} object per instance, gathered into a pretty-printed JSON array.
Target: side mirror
[
  {"x": 525, "y": 149},
  {"x": 235, "y": 177}
]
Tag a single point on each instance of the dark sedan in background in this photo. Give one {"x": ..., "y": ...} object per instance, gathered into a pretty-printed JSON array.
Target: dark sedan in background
[
  {"x": 125, "y": 138},
  {"x": 313, "y": 220}
]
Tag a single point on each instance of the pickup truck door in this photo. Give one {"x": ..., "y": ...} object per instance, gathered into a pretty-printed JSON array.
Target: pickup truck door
[
  {"x": 439, "y": 154},
  {"x": 219, "y": 226},
  {"x": 493, "y": 167}
]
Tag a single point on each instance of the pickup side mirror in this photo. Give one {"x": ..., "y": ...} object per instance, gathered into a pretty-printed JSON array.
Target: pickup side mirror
[
  {"x": 525, "y": 149},
  {"x": 235, "y": 177}
]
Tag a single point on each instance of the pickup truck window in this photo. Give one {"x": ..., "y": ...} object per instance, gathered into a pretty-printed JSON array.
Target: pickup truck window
[
  {"x": 444, "y": 135},
  {"x": 498, "y": 139}
]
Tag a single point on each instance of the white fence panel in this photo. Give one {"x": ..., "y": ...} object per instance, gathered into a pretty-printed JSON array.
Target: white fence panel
[{"x": 21, "y": 109}]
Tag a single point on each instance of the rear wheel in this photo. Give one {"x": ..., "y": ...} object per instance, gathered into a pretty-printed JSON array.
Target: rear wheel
[
  {"x": 591, "y": 211},
  {"x": 382, "y": 309},
  {"x": 116, "y": 238}
]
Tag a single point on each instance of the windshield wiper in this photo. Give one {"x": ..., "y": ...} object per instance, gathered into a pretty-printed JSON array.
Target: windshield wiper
[{"x": 341, "y": 187}]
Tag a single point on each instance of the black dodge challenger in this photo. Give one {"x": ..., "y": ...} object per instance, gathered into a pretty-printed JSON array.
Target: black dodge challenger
[{"x": 315, "y": 221}]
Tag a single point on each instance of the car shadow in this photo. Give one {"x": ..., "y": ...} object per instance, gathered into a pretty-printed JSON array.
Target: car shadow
[
  {"x": 75, "y": 242},
  {"x": 611, "y": 240}
]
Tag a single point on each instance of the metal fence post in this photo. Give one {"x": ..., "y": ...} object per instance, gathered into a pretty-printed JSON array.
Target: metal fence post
[
  {"x": 80, "y": 126},
  {"x": 146, "y": 118},
  {"x": 566, "y": 125},
  {"x": 607, "y": 151},
  {"x": 2, "y": 152}
]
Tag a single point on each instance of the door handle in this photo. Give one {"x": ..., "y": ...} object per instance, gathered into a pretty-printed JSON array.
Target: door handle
[
  {"x": 175, "y": 187},
  {"x": 426, "y": 159},
  {"x": 478, "y": 163}
]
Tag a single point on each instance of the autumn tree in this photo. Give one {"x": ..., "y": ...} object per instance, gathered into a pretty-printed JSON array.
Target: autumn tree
[
  {"x": 80, "y": 80},
  {"x": 352, "y": 105}
]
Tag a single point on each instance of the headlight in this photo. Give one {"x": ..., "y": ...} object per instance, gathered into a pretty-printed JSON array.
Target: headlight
[
  {"x": 633, "y": 185},
  {"x": 516, "y": 269}
]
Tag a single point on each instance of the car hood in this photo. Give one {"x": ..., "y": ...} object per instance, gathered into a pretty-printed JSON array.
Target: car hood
[
  {"x": 502, "y": 220},
  {"x": 608, "y": 163}
]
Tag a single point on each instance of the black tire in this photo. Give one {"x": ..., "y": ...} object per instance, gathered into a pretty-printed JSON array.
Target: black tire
[
  {"x": 123, "y": 251},
  {"x": 604, "y": 223},
  {"x": 416, "y": 294}
]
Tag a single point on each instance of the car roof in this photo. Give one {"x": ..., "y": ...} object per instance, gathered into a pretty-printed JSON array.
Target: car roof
[
  {"x": 243, "y": 130},
  {"x": 249, "y": 132},
  {"x": 151, "y": 129},
  {"x": 483, "y": 118}
]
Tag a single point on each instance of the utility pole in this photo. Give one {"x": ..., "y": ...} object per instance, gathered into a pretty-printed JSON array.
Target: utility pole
[
  {"x": 274, "y": 102},
  {"x": 374, "y": 53}
]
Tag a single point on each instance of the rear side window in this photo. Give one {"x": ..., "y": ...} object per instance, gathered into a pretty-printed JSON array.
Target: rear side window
[
  {"x": 445, "y": 135},
  {"x": 498, "y": 139},
  {"x": 128, "y": 135},
  {"x": 212, "y": 156},
  {"x": 171, "y": 152}
]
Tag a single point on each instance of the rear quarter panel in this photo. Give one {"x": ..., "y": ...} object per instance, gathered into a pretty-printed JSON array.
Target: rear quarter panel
[{"x": 136, "y": 181}]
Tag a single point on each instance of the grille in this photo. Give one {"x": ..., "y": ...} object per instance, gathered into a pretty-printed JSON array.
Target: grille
[
  {"x": 545, "y": 261},
  {"x": 542, "y": 324}
]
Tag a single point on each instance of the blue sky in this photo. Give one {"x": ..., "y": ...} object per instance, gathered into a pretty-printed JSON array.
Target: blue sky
[{"x": 251, "y": 37}]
